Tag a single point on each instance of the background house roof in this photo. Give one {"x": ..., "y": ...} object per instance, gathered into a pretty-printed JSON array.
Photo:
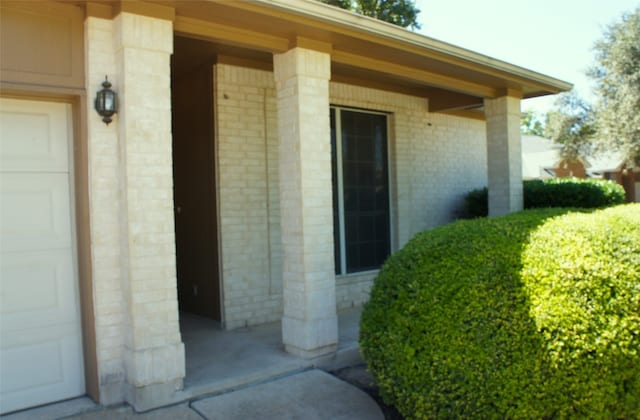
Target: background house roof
[
  {"x": 538, "y": 155},
  {"x": 610, "y": 162}
]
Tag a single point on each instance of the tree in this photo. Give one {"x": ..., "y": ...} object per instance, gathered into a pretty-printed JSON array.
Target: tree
[
  {"x": 343, "y": 4},
  {"x": 617, "y": 77},
  {"x": 399, "y": 12},
  {"x": 532, "y": 123},
  {"x": 571, "y": 124}
]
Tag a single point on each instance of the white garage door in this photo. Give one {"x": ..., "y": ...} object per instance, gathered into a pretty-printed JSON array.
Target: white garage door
[{"x": 40, "y": 335}]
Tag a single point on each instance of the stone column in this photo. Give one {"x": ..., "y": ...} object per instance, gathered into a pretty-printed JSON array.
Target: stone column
[
  {"x": 504, "y": 157},
  {"x": 309, "y": 323},
  {"x": 153, "y": 351}
]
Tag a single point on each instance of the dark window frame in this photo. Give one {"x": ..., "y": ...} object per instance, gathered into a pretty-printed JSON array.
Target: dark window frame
[{"x": 361, "y": 169}]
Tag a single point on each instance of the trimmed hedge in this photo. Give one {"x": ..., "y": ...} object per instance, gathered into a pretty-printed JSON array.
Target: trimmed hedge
[
  {"x": 532, "y": 315},
  {"x": 476, "y": 203},
  {"x": 572, "y": 192},
  {"x": 554, "y": 192}
]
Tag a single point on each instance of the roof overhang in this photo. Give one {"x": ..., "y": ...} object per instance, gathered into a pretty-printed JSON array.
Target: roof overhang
[{"x": 363, "y": 50}]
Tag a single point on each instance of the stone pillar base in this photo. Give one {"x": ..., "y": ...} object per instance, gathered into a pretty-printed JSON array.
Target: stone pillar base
[
  {"x": 311, "y": 354},
  {"x": 310, "y": 338},
  {"x": 112, "y": 393},
  {"x": 153, "y": 396},
  {"x": 155, "y": 365}
]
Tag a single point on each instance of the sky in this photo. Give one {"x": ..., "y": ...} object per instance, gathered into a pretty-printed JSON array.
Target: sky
[{"x": 553, "y": 37}]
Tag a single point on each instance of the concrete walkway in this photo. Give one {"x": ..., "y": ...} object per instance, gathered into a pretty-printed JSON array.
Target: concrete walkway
[{"x": 309, "y": 395}]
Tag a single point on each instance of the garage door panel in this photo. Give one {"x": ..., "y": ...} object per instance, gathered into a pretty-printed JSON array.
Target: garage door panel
[
  {"x": 34, "y": 211},
  {"x": 33, "y": 136},
  {"x": 29, "y": 336},
  {"x": 44, "y": 367},
  {"x": 35, "y": 290},
  {"x": 41, "y": 371}
]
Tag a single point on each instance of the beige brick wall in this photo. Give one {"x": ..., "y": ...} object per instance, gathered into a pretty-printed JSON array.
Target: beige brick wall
[
  {"x": 247, "y": 154},
  {"x": 104, "y": 207},
  {"x": 434, "y": 160}
]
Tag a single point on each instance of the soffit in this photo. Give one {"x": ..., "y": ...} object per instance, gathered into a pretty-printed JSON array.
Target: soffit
[
  {"x": 362, "y": 48},
  {"x": 354, "y": 44}
]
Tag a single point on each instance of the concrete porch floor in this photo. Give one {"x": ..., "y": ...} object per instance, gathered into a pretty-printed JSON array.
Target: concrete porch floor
[{"x": 218, "y": 360}]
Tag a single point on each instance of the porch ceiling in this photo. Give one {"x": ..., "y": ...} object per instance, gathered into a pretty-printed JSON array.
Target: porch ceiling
[{"x": 364, "y": 51}]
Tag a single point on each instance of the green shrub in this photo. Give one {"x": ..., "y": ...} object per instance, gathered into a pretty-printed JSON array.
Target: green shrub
[
  {"x": 476, "y": 203},
  {"x": 572, "y": 192},
  {"x": 532, "y": 315},
  {"x": 554, "y": 192}
]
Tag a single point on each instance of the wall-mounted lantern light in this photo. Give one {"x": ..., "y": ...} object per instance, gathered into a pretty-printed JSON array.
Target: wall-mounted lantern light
[{"x": 106, "y": 102}]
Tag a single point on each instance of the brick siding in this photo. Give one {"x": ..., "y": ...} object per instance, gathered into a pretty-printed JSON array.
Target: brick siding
[{"x": 434, "y": 160}]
